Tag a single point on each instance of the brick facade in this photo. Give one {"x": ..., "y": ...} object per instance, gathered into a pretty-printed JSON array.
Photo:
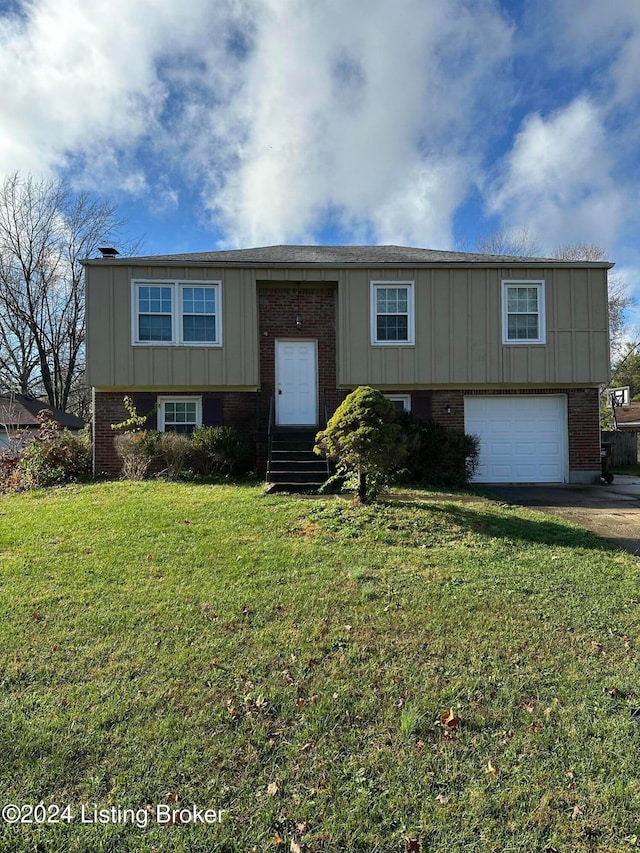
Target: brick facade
[
  {"x": 227, "y": 408},
  {"x": 278, "y": 308},
  {"x": 583, "y": 416}
]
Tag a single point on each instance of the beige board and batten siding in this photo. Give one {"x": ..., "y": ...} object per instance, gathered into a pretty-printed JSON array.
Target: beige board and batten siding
[
  {"x": 458, "y": 330},
  {"x": 112, "y": 360}
]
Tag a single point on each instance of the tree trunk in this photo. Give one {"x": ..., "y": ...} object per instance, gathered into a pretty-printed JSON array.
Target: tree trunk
[{"x": 362, "y": 486}]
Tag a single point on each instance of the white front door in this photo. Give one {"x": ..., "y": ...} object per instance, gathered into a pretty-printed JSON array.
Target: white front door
[{"x": 296, "y": 383}]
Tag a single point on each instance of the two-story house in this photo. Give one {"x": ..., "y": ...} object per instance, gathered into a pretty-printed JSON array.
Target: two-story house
[{"x": 511, "y": 349}]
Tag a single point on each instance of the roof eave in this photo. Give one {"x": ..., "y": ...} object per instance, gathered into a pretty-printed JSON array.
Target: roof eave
[{"x": 168, "y": 262}]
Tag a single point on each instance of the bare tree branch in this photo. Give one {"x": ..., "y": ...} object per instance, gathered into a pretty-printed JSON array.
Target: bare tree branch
[{"x": 45, "y": 231}]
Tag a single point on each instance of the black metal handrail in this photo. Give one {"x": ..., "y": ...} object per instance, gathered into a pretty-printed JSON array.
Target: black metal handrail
[{"x": 272, "y": 408}]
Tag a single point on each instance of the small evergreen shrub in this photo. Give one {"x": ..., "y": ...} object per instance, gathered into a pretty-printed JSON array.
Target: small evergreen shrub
[
  {"x": 136, "y": 449},
  {"x": 363, "y": 439},
  {"x": 437, "y": 456},
  {"x": 219, "y": 450}
]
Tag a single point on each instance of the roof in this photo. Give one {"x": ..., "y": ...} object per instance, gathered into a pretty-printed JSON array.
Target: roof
[
  {"x": 20, "y": 411},
  {"x": 627, "y": 416},
  {"x": 340, "y": 256}
]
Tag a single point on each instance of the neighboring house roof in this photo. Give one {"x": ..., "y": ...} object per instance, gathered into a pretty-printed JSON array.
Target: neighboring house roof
[
  {"x": 342, "y": 256},
  {"x": 628, "y": 417},
  {"x": 21, "y": 412}
]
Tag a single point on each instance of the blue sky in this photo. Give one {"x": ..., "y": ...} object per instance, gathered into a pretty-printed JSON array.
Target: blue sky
[{"x": 252, "y": 122}]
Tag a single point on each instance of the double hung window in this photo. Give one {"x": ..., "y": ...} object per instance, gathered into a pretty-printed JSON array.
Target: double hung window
[
  {"x": 176, "y": 313},
  {"x": 392, "y": 314},
  {"x": 523, "y": 315}
]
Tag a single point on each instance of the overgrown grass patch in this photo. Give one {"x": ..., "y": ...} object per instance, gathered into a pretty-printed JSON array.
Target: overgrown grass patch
[{"x": 291, "y": 661}]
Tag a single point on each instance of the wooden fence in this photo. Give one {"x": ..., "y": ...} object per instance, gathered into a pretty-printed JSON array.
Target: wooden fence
[{"x": 624, "y": 447}]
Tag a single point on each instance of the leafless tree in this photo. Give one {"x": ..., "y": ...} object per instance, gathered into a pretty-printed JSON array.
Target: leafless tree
[
  {"x": 45, "y": 230},
  {"x": 518, "y": 242}
]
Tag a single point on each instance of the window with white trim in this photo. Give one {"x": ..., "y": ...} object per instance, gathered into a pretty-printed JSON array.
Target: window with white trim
[
  {"x": 176, "y": 313},
  {"x": 392, "y": 314},
  {"x": 400, "y": 402},
  {"x": 179, "y": 414},
  {"x": 523, "y": 314}
]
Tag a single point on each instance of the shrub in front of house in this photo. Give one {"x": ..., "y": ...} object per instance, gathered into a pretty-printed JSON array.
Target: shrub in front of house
[
  {"x": 173, "y": 450},
  {"x": 362, "y": 439},
  {"x": 219, "y": 450},
  {"x": 53, "y": 457},
  {"x": 437, "y": 456},
  {"x": 136, "y": 449}
]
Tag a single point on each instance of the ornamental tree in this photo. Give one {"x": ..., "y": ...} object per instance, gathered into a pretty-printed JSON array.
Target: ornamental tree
[{"x": 363, "y": 439}]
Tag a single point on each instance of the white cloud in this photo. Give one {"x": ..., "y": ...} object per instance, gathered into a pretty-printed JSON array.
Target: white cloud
[
  {"x": 586, "y": 32},
  {"x": 281, "y": 111},
  {"x": 557, "y": 179},
  {"x": 366, "y": 110},
  {"x": 80, "y": 78}
]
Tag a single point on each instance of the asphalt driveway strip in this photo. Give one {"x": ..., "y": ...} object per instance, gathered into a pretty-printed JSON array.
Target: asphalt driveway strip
[{"x": 612, "y": 512}]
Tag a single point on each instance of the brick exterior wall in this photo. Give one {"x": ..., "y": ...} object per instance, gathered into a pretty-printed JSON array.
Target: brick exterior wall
[
  {"x": 278, "y": 308},
  {"x": 228, "y": 408}
]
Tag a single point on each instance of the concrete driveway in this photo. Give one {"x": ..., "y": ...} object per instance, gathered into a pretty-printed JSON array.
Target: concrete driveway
[{"x": 612, "y": 512}]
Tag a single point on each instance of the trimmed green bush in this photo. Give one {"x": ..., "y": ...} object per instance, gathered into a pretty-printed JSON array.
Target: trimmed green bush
[
  {"x": 219, "y": 450},
  {"x": 437, "y": 456},
  {"x": 363, "y": 439}
]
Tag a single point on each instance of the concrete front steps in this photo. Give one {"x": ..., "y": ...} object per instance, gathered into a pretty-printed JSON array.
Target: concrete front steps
[{"x": 292, "y": 465}]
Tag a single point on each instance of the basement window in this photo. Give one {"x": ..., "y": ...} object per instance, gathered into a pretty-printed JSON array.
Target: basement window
[
  {"x": 179, "y": 414},
  {"x": 400, "y": 402}
]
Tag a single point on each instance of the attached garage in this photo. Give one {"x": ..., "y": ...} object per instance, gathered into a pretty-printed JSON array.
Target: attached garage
[{"x": 523, "y": 439}]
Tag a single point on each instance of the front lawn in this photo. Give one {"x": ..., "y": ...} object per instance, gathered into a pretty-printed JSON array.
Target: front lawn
[{"x": 417, "y": 675}]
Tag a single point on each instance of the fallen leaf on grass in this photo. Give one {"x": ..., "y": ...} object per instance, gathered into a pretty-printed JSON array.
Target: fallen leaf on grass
[
  {"x": 294, "y": 847},
  {"x": 272, "y": 789},
  {"x": 276, "y": 840},
  {"x": 450, "y": 720},
  {"x": 491, "y": 769},
  {"x": 414, "y": 845},
  {"x": 536, "y": 728},
  {"x": 171, "y": 797},
  {"x": 577, "y": 811},
  {"x": 443, "y": 799}
]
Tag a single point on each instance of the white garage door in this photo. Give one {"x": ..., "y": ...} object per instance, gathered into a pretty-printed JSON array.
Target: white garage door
[{"x": 522, "y": 439}]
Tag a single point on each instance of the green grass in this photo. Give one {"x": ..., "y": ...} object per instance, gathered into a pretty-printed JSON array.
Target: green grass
[
  {"x": 626, "y": 469},
  {"x": 289, "y": 660}
]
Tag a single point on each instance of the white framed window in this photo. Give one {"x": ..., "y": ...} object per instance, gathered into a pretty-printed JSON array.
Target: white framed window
[
  {"x": 179, "y": 414},
  {"x": 523, "y": 313},
  {"x": 392, "y": 313},
  {"x": 400, "y": 402},
  {"x": 176, "y": 313}
]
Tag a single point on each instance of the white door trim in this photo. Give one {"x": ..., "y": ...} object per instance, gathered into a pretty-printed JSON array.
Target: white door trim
[{"x": 304, "y": 411}]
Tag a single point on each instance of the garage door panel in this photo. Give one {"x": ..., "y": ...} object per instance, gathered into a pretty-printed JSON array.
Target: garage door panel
[{"x": 522, "y": 439}]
